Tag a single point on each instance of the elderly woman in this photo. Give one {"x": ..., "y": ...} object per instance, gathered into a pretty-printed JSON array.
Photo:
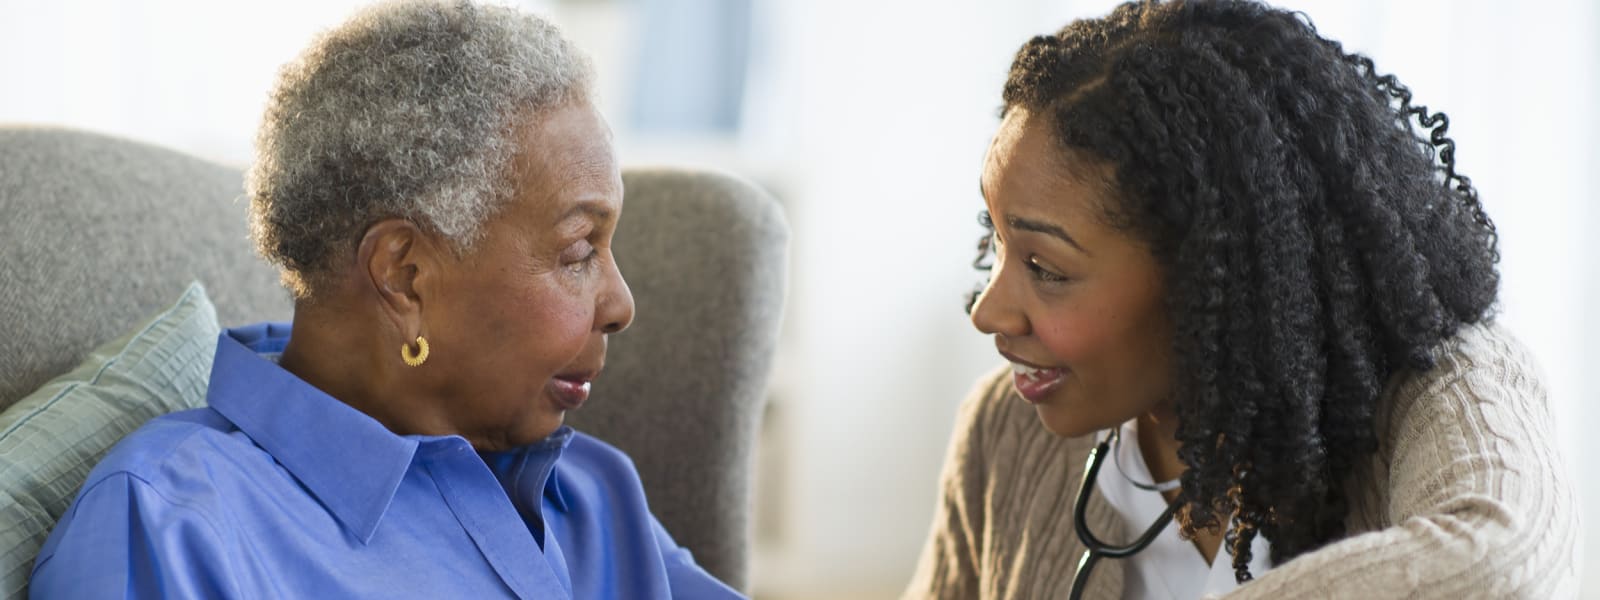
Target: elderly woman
[
  {"x": 1248, "y": 312},
  {"x": 441, "y": 194}
]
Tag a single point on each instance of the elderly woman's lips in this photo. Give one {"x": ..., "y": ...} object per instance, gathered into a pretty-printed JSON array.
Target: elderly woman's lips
[{"x": 569, "y": 394}]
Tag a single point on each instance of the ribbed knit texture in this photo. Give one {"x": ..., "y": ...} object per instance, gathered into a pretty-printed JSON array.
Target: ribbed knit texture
[{"x": 1466, "y": 496}]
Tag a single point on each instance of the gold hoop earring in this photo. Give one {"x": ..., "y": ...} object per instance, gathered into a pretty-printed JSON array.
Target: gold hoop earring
[{"x": 415, "y": 360}]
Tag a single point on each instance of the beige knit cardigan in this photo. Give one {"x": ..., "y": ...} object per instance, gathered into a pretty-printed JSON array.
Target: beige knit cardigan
[{"x": 1466, "y": 497}]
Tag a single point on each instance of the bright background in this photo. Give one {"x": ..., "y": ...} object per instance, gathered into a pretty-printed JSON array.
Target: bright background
[{"x": 868, "y": 119}]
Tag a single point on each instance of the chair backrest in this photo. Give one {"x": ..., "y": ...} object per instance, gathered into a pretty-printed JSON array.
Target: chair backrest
[
  {"x": 684, "y": 387},
  {"x": 97, "y": 233}
]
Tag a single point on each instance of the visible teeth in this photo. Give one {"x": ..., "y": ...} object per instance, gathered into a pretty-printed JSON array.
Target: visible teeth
[{"x": 1024, "y": 370}]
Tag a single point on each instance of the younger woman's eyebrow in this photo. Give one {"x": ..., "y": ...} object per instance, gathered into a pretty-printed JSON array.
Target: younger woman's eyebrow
[
  {"x": 1036, "y": 226},
  {"x": 1050, "y": 229}
]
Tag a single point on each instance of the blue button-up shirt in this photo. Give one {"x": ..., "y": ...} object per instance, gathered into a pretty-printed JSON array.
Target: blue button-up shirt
[{"x": 278, "y": 490}]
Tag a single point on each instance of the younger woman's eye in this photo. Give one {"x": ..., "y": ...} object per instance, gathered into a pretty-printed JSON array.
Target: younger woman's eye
[{"x": 1043, "y": 274}]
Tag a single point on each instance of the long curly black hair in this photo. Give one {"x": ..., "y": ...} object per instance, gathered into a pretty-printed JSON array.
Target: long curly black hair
[{"x": 1313, "y": 241}]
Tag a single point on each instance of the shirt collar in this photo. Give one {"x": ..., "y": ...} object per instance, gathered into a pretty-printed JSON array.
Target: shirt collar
[
  {"x": 530, "y": 472},
  {"x": 553, "y": 491},
  {"x": 348, "y": 460},
  {"x": 557, "y": 442}
]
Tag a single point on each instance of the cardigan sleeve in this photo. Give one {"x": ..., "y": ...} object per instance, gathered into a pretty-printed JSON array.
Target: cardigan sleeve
[
  {"x": 1477, "y": 500},
  {"x": 951, "y": 557}
]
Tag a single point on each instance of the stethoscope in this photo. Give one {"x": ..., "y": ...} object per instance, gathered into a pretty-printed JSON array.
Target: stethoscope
[{"x": 1094, "y": 549}]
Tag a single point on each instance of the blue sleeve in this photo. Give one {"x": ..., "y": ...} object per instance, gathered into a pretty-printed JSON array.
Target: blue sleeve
[
  {"x": 122, "y": 539},
  {"x": 687, "y": 580}
]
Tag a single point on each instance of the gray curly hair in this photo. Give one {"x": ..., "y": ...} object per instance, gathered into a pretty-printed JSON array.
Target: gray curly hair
[{"x": 408, "y": 110}]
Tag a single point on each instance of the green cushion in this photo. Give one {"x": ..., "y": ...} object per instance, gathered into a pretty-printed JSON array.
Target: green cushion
[{"x": 50, "y": 439}]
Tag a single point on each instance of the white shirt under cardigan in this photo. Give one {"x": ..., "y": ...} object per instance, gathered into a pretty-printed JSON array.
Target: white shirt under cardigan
[{"x": 1170, "y": 568}]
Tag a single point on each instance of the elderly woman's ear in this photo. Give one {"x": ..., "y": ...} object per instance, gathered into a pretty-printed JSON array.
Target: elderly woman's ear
[{"x": 397, "y": 262}]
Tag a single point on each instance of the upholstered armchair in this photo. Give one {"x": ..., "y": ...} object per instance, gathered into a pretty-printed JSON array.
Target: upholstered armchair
[{"x": 98, "y": 235}]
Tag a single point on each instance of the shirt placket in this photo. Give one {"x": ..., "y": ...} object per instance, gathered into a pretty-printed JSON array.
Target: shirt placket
[{"x": 481, "y": 506}]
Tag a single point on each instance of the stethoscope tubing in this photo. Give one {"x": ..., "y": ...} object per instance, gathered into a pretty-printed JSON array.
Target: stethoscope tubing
[{"x": 1094, "y": 548}]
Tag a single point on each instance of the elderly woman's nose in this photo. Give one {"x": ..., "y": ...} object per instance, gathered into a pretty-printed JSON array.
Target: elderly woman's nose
[{"x": 616, "y": 306}]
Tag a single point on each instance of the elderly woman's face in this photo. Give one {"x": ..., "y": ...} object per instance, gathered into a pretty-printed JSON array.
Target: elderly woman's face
[
  {"x": 519, "y": 325},
  {"x": 1073, "y": 303}
]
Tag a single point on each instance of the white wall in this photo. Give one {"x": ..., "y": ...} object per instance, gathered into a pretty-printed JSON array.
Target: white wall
[
  {"x": 870, "y": 118},
  {"x": 887, "y": 108},
  {"x": 188, "y": 74}
]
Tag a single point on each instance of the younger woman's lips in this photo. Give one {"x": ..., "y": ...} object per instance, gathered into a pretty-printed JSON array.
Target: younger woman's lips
[
  {"x": 569, "y": 394},
  {"x": 1034, "y": 382},
  {"x": 1034, "y": 385}
]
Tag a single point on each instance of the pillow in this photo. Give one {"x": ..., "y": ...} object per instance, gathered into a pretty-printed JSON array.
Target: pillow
[{"x": 50, "y": 439}]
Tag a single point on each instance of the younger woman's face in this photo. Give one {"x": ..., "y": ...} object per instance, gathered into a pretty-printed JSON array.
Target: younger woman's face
[{"x": 1073, "y": 303}]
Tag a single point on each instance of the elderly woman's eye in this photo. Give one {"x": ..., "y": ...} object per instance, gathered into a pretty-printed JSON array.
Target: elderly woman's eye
[{"x": 579, "y": 254}]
